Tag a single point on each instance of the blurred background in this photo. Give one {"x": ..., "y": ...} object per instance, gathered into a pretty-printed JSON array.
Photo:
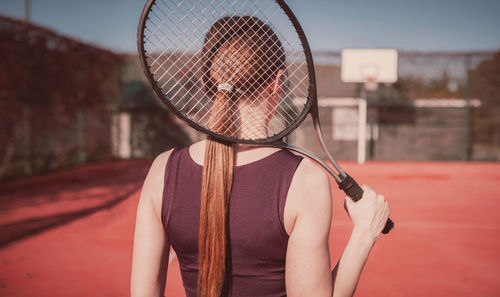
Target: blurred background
[
  {"x": 73, "y": 92},
  {"x": 79, "y": 124}
]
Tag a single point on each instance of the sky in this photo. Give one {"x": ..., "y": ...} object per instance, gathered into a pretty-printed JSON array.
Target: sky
[{"x": 330, "y": 25}]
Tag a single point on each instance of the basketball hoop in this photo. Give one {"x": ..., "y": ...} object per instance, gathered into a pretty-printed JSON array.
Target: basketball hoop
[{"x": 369, "y": 66}]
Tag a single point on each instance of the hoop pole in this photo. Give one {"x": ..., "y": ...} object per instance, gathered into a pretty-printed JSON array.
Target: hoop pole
[{"x": 362, "y": 128}]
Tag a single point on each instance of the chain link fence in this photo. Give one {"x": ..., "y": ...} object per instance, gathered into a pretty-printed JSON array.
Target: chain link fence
[{"x": 56, "y": 94}]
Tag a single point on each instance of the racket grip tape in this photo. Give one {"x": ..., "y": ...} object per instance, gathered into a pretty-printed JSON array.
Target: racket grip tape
[{"x": 353, "y": 190}]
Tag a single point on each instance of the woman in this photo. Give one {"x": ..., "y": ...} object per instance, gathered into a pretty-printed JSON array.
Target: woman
[{"x": 245, "y": 221}]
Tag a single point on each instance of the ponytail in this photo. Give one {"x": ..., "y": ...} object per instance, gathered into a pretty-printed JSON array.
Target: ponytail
[
  {"x": 241, "y": 52},
  {"x": 215, "y": 191}
]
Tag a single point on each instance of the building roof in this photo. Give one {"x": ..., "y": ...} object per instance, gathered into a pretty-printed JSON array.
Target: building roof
[{"x": 419, "y": 103}]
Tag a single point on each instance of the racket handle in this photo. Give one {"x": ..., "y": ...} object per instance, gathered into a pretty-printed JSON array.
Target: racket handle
[{"x": 353, "y": 190}]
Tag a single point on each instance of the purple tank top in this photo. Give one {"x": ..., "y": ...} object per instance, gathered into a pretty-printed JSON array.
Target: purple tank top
[{"x": 258, "y": 240}]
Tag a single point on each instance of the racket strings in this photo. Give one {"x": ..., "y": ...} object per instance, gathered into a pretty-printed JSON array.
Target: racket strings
[
  {"x": 221, "y": 106},
  {"x": 269, "y": 114},
  {"x": 284, "y": 110},
  {"x": 278, "y": 107},
  {"x": 236, "y": 71},
  {"x": 185, "y": 26},
  {"x": 173, "y": 37}
]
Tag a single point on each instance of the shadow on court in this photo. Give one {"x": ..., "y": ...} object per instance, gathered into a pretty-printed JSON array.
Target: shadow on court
[
  {"x": 12, "y": 232},
  {"x": 33, "y": 205}
]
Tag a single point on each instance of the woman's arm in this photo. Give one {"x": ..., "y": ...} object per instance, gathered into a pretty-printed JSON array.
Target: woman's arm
[
  {"x": 345, "y": 275},
  {"x": 369, "y": 216},
  {"x": 308, "y": 257},
  {"x": 309, "y": 203},
  {"x": 151, "y": 246}
]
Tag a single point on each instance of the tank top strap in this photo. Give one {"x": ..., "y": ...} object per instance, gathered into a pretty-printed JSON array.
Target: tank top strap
[
  {"x": 291, "y": 162},
  {"x": 169, "y": 183}
]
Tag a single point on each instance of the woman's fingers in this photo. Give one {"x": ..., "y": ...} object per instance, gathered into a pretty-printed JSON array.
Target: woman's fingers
[
  {"x": 382, "y": 216},
  {"x": 370, "y": 212}
]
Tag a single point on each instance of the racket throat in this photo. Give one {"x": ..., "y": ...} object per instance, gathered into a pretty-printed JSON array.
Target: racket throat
[{"x": 319, "y": 136}]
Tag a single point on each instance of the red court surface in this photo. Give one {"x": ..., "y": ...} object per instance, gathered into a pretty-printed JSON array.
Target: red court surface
[{"x": 70, "y": 233}]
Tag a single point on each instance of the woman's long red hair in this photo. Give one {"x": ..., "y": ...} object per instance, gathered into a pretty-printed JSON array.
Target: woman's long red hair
[
  {"x": 245, "y": 53},
  {"x": 215, "y": 193}
]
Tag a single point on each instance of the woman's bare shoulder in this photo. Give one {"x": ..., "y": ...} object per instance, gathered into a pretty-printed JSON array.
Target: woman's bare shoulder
[
  {"x": 309, "y": 194},
  {"x": 311, "y": 178},
  {"x": 310, "y": 173},
  {"x": 157, "y": 169},
  {"x": 154, "y": 182},
  {"x": 159, "y": 163}
]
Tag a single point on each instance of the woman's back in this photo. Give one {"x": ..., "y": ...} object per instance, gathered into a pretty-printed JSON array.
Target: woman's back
[
  {"x": 257, "y": 236},
  {"x": 306, "y": 218}
]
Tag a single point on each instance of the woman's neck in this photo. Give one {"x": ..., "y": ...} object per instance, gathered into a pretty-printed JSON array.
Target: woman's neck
[{"x": 253, "y": 121}]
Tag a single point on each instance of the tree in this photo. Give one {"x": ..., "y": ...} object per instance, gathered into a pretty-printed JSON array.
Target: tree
[{"x": 485, "y": 85}]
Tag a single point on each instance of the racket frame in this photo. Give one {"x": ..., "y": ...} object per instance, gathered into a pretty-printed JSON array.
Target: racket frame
[
  {"x": 269, "y": 140},
  {"x": 345, "y": 182}
]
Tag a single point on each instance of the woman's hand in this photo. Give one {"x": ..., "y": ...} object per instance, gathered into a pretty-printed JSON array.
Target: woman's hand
[
  {"x": 369, "y": 216},
  {"x": 370, "y": 213}
]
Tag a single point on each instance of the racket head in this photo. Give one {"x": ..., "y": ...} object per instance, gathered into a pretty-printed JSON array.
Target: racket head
[{"x": 170, "y": 41}]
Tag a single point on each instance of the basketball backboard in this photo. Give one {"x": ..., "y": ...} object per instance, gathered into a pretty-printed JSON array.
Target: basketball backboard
[{"x": 369, "y": 65}]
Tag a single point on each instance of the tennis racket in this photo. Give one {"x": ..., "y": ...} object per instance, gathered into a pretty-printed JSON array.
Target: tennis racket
[{"x": 179, "y": 42}]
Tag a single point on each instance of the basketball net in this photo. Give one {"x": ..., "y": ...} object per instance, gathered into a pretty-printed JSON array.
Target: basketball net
[{"x": 370, "y": 83}]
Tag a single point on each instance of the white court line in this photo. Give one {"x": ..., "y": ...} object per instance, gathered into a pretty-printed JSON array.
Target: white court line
[{"x": 435, "y": 225}]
